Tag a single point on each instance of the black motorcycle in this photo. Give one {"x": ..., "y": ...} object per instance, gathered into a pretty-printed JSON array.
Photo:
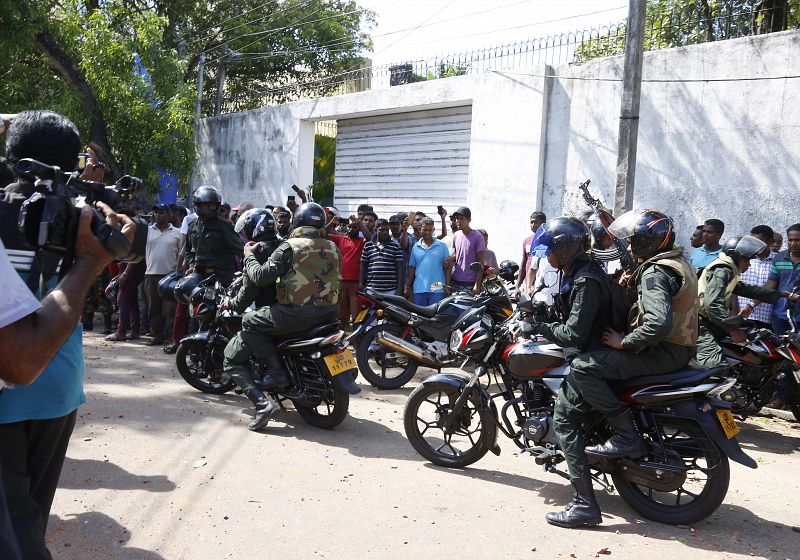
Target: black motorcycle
[
  {"x": 321, "y": 367},
  {"x": 394, "y": 337},
  {"x": 453, "y": 419}
]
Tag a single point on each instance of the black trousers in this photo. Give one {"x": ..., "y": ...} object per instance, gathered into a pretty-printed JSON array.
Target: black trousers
[{"x": 31, "y": 456}]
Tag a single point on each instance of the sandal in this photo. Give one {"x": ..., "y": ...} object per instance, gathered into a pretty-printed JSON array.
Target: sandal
[
  {"x": 170, "y": 349},
  {"x": 116, "y": 337}
]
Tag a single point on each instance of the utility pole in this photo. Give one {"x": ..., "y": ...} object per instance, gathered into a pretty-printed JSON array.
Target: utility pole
[
  {"x": 629, "y": 113},
  {"x": 201, "y": 65},
  {"x": 221, "y": 78}
]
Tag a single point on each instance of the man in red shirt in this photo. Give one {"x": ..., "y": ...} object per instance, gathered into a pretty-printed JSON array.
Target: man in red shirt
[{"x": 350, "y": 246}]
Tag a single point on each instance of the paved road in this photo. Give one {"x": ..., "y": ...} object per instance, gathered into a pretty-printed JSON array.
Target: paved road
[{"x": 158, "y": 470}]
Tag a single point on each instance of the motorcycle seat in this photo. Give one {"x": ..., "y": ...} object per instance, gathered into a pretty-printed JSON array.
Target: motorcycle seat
[
  {"x": 424, "y": 310},
  {"x": 319, "y": 330},
  {"x": 685, "y": 376}
]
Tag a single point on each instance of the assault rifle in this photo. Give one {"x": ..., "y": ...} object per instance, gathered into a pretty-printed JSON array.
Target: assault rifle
[{"x": 605, "y": 217}]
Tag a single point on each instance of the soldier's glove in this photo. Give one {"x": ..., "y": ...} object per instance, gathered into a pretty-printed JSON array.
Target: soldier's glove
[{"x": 530, "y": 327}]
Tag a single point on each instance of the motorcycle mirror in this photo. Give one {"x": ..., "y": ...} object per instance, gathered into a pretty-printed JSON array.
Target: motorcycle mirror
[
  {"x": 550, "y": 279},
  {"x": 476, "y": 267}
]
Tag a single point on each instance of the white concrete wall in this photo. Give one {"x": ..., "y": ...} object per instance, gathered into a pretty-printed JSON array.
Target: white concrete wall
[
  {"x": 723, "y": 149},
  {"x": 256, "y": 156},
  {"x": 718, "y": 149}
]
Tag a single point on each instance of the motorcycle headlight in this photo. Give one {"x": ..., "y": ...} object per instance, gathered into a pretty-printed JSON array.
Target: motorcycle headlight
[{"x": 455, "y": 339}]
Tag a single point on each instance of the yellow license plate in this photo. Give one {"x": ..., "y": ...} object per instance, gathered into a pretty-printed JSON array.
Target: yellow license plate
[
  {"x": 728, "y": 423},
  {"x": 360, "y": 316},
  {"x": 339, "y": 363}
]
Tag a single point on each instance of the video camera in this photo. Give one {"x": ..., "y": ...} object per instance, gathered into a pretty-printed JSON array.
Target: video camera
[{"x": 49, "y": 218}]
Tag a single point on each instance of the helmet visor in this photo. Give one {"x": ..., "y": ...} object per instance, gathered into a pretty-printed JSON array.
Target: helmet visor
[
  {"x": 623, "y": 227},
  {"x": 750, "y": 246},
  {"x": 240, "y": 223},
  {"x": 542, "y": 242}
]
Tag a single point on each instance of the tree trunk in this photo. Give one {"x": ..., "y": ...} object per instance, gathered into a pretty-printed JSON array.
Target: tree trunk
[
  {"x": 98, "y": 134},
  {"x": 770, "y": 16}
]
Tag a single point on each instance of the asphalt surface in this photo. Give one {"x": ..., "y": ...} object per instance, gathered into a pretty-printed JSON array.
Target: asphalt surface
[{"x": 158, "y": 470}]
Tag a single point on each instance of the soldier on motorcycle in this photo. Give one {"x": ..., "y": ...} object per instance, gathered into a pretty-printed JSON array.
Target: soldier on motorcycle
[
  {"x": 719, "y": 282},
  {"x": 584, "y": 305},
  {"x": 305, "y": 272}
]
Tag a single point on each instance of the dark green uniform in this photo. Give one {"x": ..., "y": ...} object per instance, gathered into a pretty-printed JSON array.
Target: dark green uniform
[
  {"x": 250, "y": 292},
  {"x": 662, "y": 341},
  {"x": 212, "y": 246},
  {"x": 587, "y": 309},
  {"x": 716, "y": 306},
  {"x": 306, "y": 272}
]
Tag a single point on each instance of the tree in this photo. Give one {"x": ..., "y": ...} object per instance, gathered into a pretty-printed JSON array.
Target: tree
[
  {"x": 674, "y": 23},
  {"x": 79, "y": 57}
]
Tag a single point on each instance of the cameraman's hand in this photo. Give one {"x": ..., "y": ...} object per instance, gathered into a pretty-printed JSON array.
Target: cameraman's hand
[{"x": 95, "y": 170}]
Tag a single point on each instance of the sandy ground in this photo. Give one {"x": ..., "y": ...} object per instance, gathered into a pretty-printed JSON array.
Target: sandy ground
[{"x": 158, "y": 470}]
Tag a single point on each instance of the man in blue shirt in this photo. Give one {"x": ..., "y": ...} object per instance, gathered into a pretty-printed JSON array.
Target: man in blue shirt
[
  {"x": 785, "y": 275},
  {"x": 36, "y": 420},
  {"x": 708, "y": 253},
  {"x": 427, "y": 279}
]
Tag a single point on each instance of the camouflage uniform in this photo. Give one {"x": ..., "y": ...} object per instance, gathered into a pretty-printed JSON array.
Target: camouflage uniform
[
  {"x": 306, "y": 272},
  {"x": 718, "y": 284},
  {"x": 662, "y": 340},
  {"x": 96, "y": 300}
]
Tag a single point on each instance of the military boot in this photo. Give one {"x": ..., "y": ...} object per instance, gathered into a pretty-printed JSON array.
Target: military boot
[
  {"x": 108, "y": 327},
  {"x": 88, "y": 321},
  {"x": 276, "y": 375},
  {"x": 265, "y": 408},
  {"x": 582, "y": 511},
  {"x": 626, "y": 441}
]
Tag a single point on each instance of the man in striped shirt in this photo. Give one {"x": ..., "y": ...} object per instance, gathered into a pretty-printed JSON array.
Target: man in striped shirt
[
  {"x": 382, "y": 262},
  {"x": 757, "y": 275}
]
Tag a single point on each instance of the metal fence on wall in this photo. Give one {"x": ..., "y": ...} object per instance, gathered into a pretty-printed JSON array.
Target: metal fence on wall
[{"x": 663, "y": 29}]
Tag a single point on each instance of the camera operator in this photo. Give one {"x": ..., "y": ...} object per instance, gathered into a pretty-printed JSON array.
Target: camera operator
[{"x": 38, "y": 415}]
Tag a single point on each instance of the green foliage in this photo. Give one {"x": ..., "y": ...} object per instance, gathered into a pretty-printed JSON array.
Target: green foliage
[
  {"x": 446, "y": 71},
  {"x": 675, "y": 23},
  {"x": 324, "y": 167}
]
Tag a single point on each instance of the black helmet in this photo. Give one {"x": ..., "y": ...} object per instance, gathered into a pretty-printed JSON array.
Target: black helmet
[
  {"x": 648, "y": 231},
  {"x": 603, "y": 248},
  {"x": 257, "y": 224},
  {"x": 564, "y": 238},
  {"x": 508, "y": 270},
  {"x": 310, "y": 214},
  {"x": 166, "y": 286},
  {"x": 185, "y": 286},
  {"x": 743, "y": 247},
  {"x": 206, "y": 193}
]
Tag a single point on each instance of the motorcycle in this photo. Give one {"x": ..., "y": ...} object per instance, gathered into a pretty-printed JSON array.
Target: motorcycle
[
  {"x": 759, "y": 365},
  {"x": 453, "y": 419},
  {"x": 321, "y": 367},
  {"x": 394, "y": 337}
]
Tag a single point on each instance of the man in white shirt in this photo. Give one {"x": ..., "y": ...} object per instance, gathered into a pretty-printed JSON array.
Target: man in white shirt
[{"x": 163, "y": 244}]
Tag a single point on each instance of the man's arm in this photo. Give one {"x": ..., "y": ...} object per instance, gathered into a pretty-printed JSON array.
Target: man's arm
[
  {"x": 585, "y": 305},
  {"x": 479, "y": 278},
  {"x": 34, "y": 339},
  {"x": 657, "y": 289},
  {"x": 263, "y": 275},
  {"x": 523, "y": 264},
  {"x": 410, "y": 274}
]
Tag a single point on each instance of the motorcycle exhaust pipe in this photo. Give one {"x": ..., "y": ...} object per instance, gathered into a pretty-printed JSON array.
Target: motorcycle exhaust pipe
[{"x": 406, "y": 348}]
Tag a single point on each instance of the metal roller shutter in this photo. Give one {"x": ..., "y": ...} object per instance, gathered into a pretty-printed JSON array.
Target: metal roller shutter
[{"x": 403, "y": 161}]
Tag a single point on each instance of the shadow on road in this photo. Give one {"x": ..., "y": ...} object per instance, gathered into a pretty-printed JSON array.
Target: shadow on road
[
  {"x": 757, "y": 437},
  {"x": 731, "y": 529},
  {"x": 361, "y": 437},
  {"x": 91, "y": 474},
  {"x": 92, "y": 535}
]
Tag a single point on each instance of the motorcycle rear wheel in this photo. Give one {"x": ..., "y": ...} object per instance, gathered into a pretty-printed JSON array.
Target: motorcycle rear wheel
[
  {"x": 382, "y": 367},
  {"x": 329, "y": 413},
  {"x": 703, "y": 490},
  {"x": 423, "y": 420},
  {"x": 792, "y": 399},
  {"x": 190, "y": 359}
]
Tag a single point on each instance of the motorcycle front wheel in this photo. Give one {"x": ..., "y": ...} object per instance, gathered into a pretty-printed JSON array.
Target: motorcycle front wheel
[
  {"x": 702, "y": 490},
  {"x": 329, "y": 413},
  {"x": 470, "y": 437},
  {"x": 191, "y": 361},
  {"x": 381, "y": 366}
]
